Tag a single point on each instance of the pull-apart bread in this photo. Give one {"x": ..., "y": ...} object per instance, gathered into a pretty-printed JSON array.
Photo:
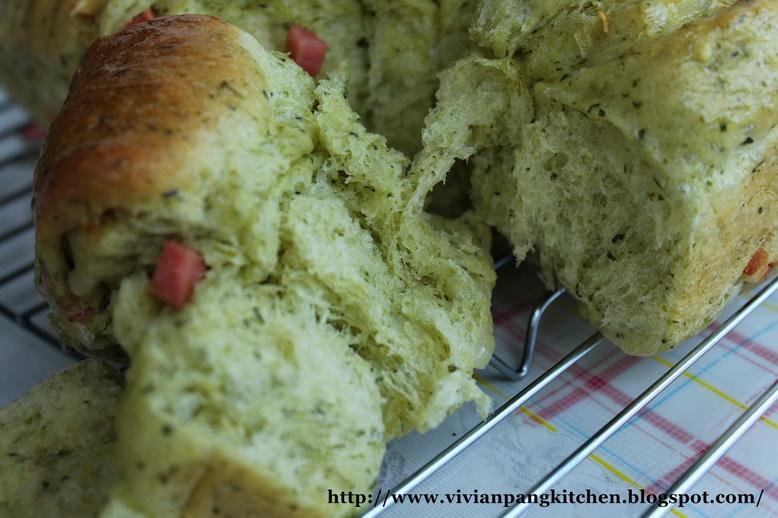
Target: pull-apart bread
[
  {"x": 632, "y": 145},
  {"x": 332, "y": 315}
]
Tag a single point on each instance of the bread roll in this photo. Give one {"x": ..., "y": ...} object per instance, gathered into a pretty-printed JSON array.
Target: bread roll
[
  {"x": 57, "y": 442},
  {"x": 644, "y": 173},
  {"x": 335, "y": 313}
]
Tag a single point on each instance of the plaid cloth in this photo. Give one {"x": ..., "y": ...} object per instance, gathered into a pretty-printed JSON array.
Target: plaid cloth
[{"x": 649, "y": 453}]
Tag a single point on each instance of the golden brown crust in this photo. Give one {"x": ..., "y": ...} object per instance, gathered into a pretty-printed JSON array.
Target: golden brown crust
[{"x": 130, "y": 123}]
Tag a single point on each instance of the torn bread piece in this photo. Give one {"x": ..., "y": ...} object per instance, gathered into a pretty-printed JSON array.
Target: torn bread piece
[
  {"x": 410, "y": 41},
  {"x": 331, "y": 313},
  {"x": 56, "y": 443},
  {"x": 646, "y": 183}
]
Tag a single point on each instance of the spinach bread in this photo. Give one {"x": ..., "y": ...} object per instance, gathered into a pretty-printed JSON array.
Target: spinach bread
[
  {"x": 56, "y": 443},
  {"x": 410, "y": 42},
  {"x": 552, "y": 46},
  {"x": 335, "y": 314},
  {"x": 639, "y": 164}
]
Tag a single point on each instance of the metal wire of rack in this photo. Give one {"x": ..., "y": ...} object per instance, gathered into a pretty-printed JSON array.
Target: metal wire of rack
[
  {"x": 19, "y": 151},
  {"x": 684, "y": 482}
]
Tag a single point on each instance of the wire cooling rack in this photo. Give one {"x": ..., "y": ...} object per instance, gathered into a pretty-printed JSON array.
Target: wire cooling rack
[
  {"x": 19, "y": 305},
  {"x": 19, "y": 148},
  {"x": 685, "y": 481}
]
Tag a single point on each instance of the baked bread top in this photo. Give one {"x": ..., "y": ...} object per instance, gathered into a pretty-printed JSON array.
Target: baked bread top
[
  {"x": 129, "y": 134},
  {"x": 556, "y": 37}
]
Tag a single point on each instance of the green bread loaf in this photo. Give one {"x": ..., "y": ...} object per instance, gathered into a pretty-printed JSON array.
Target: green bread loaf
[
  {"x": 632, "y": 145},
  {"x": 642, "y": 171}
]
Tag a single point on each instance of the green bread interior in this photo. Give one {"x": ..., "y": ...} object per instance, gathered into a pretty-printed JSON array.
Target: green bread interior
[{"x": 336, "y": 314}]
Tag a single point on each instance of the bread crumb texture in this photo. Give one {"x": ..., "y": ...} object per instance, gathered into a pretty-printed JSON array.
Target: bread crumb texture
[
  {"x": 638, "y": 161},
  {"x": 56, "y": 442}
]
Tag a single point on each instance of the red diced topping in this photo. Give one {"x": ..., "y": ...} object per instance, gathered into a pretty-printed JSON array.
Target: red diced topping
[
  {"x": 82, "y": 316},
  {"x": 757, "y": 262},
  {"x": 306, "y": 49},
  {"x": 34, "y": 132},
  {"x": 143, "y": 17},
  {"x": 179, "y": 268}
]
